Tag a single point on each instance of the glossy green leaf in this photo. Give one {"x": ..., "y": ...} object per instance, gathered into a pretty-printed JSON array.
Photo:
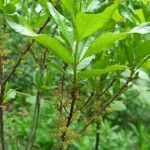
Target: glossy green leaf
[
  {"x": 69, "y": 5},
  {"x": 107, "y": 40},
  {"x": 64, "y": 25},
  {"x": 126, "y": 11},
  {"x": 103, "y": 42},
  {"x": 46, "y": 41},
  {"x": 41, "y": 20},
  {"x": 55, "y": 46},
  {"x": 142, "y": 50},
  {"x": 99, "y": 72},
  {"x": 87, "y": 24},
  {"x": 97, "y": 6}
]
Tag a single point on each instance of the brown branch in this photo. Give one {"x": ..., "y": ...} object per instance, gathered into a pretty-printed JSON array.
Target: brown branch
[
  {"x": 103, "y": 92},
  {"x": 90, "y": 97},
  {"x": 107, "y": 88},
  {"x": 2, "y": 90},
  {"x": 62, "y": 88},
  {"x": 34, "y": 57},
  {"x": 107, "y": 104},
  {"x": 24, "y": 53},
  {"x": 34, "y": 127},
  {"x": 97, "y": 136},
  {"x": 66, "y": 110},
  {"x": 32, "y": 135},
  {"x": 74, "y": 94}
]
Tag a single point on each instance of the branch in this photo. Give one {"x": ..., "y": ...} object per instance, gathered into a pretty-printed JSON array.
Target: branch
[
  {"x": 2, "y": 90},
  {"x": 103, "y": 92},
  {"x": 23, "y": 54},
  {"x": 91, "y": 96},
  {"x": 62, "y": 84},
  {"x": 107, "y": 104},
  {"x": 34, "y": 57},
  {"x": 74, "y": 93},
  {"x": 142, "y": 62},
  {"x": 97, "y": 136},
  {"x": 32, "y": 134}
]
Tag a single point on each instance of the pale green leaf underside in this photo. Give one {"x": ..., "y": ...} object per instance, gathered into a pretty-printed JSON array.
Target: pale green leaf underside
[
  {"x": 99, "y": 72},
  {"x": 143, "y": 28},
  {"x": 89, "y": 23},
  {"x": 48, "y": 42},
  {"x": 118, "y": 106}
]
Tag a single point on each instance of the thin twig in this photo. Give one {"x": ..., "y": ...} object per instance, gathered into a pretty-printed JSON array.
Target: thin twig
[
  {"x": 34, "y": 122},
  {"x": 2, "y": 90},
  {"x": 103, "y": 92},
  {"x": 32, "y": 135},
  {"x": 141, "y": 63},
  {"x": 62, "y": 87},
  {"x": 24, "y": 53},
  {"x": 34, "y": 57},
  {"x": 90, "y": 97},
  {"x": 107, "y": 104},
  {"x": 74, "y": 94},
  {"x": 97, "y": 136}
]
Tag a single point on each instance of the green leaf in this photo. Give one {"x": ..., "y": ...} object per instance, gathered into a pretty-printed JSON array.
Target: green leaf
[
  {"x": 118, "y": 106},
  {"x": 46, "y": 41},
  {"x": 9, "y": 9},
  {"x": 69, "y": 5},
  {"x": 89, "y": 1},
  {"x": 99, "y": 72},
  {"x": 107, "y": 40},
  {"x": 64, "y": 25},
  {"x": 14, "y": 2},
  {"x": 146, "y": 65},
  {"x": 97, "y": 6},
  {"x": 143, "y": 28},
  {"x": 85, "y": 62},
  {"x": 87, "y": 24},
  {"x": 11, "y": 94},
  {"x": 55, "y": 46},
  {"x": 1, "y": 4},
  {"x": 72, "y": 6},
  {"x": 58, "y": 68},
  {"x": 42, "y": 19},
  {"x": 31, "y": 99},
  {"x": 21, "y": 29},
  {"x": 103, "y": 42},
  {"x": 143, "y": 50}
]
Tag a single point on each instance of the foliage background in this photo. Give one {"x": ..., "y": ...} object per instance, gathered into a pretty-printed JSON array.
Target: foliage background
[{"x": 120, "y": 130}]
